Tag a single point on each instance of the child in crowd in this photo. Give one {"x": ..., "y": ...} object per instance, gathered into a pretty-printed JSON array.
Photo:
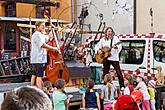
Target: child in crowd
[
  {"x": 137, "y": 95},
  {"x": 151, "y": 90},
  {"x": 48, "y": 85},
  {"x": 60, "y": 100},
  {"x": 108, "y": 92},
  {"x": 125, "y": 102},
  {"x": 90, "y": 99},
  {"x": 128, "y": 85},
  {"x": 143, "y": 88},
  {"x": 159, "y": 76},
  {"x": 26, "y": 98},
  {"x": 48, "y": 88}
]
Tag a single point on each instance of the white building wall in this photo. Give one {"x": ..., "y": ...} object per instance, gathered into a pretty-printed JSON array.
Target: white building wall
[
  {"x": 122, "y": 21},
  {"x": 143, "y": 18}
]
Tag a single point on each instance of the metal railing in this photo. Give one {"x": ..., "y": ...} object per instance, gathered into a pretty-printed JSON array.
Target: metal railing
[{"x": 15, "y": 69}]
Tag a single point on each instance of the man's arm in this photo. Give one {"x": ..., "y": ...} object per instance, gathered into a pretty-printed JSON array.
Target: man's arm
[
  {"x": 83, "y": 100},
  {"x": 98, "y": 101},
  {"x": 119, "y": 46},
  {"x": 46, "y": 46}
]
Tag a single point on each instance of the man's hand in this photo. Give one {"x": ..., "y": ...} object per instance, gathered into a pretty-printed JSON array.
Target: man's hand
[
  {"x": 99, "y": 51},
  {"x": 2, "y": 51},
  {"x": 55, "y": 48}
]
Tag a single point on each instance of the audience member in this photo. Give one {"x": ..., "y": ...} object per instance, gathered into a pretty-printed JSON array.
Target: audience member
[
  {"x": 128, "y": 82},
  {"x": 26, "y": 98},
  {"x": 143, "y": 88},
  {"x": 90, "y": 99},
  {"x": 108, "y": 92},
  {"x": 137, "y": 95},
  {"x": 60, "y": 100},
  {"x": 48, "y": 88},
  {"x": 125, "y": 102},
  {"x": 151, "y": 90},
  {"x": 163, "y": 104},
  {"x": 159, "y": 76}
]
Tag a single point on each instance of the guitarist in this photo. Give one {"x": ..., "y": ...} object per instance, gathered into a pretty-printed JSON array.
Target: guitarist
[{"x": 109, "y": 40}]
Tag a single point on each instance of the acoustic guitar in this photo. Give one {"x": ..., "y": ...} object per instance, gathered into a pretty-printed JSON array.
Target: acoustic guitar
[{"x": 105, "y": 54}]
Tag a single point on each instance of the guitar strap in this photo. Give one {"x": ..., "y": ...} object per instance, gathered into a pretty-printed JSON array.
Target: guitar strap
[{"x": 111, "y": 44}]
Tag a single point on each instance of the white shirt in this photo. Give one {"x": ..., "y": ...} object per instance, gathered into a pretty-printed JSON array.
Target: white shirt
[
  {"x": 106, "y": 43},
  {"x": 126, "y": 91},
  {"x": 143, "y": 88},
  {"x": 38, "y": 54}
]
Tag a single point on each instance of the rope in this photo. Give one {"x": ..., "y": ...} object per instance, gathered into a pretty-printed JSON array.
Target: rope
[{"x": 26, "y": 31}]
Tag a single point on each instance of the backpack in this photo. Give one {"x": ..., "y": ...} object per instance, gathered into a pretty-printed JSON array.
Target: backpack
[{"x": 126, "y": 102}]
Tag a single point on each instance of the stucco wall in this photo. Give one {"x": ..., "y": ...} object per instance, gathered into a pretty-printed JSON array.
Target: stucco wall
[
  {"x": 143, "y": 18},
  {"x": 122, "y": 21},
  {"x": 25, "y": 10},
  {"x": 63, "y": 12}
]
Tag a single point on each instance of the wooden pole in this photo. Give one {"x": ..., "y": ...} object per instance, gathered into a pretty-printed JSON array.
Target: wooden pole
[{"x": 30, "y": 22}]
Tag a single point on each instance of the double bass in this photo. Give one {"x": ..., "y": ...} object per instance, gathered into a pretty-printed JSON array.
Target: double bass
[{"x": 55, "y": 67}]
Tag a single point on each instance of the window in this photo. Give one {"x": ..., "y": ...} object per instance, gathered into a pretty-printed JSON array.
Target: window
[
  {"x": 40, "y": 11},
  {"x": 159, "y": 50},
  {"x": 10, "y": 10},
  {"x": 10, "y": 38},
  {"x": 132, "y": 51}
]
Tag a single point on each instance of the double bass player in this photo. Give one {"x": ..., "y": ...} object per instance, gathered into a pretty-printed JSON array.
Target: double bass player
[{"x": 38, "y": 57}]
